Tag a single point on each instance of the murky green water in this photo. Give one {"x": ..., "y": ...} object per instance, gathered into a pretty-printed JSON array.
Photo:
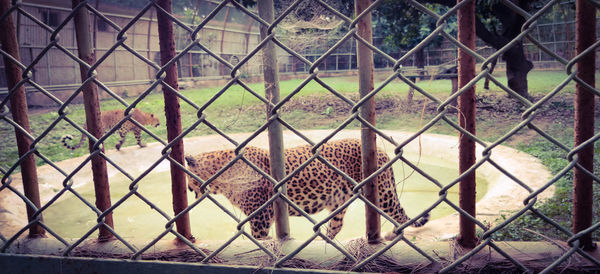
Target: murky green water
[{"x": 70, "y": 218}]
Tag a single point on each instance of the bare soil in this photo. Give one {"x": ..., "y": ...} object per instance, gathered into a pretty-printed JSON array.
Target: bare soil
[
  {"x": 488, "y": 106},
  {"x": 496, "y": 113}
]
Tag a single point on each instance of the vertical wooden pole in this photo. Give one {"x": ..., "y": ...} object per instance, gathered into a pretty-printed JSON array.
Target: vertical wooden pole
[
  {"x": 173, "y": 115},
  {"x": 466, "y": 117},
  {"x": 276, "y": 150},
  {"x": 583, "y": 194},
  {"x": 92, "y": 117},
  {"x": 367, "y": 111},
  {"x": 18, "y": 108}
]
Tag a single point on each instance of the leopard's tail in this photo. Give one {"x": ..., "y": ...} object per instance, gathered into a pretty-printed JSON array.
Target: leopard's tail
[
  {"x": 421, "y": 221},
  {"x": 418, "y": 223},
  {"x": 67, "y": 138}
]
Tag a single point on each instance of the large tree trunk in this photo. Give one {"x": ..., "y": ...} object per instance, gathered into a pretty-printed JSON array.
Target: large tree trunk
[{"x": 517, "y": 67}]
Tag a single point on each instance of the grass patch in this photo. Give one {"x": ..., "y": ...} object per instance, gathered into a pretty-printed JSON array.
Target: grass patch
[
  {"x": 540, "y": 82},
  {"x": 560, "y": 206}
]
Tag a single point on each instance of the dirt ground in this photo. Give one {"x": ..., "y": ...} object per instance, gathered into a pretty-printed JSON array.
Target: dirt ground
[
  {"x": 496, "y": 113},
  {"x": 489, "y": 106}
]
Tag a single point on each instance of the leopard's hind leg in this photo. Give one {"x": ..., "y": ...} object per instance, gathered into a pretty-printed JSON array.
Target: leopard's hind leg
[
  {"x": 336, "y": 223},
  {"x": 338, "y": 197},
  {"x": 123, "y": 134}
]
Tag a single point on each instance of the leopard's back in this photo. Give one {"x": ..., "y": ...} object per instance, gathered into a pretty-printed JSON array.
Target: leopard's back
[{"x": 318, "y": 186}]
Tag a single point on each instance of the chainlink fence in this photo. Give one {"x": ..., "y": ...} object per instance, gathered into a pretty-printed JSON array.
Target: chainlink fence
[{"x": 36, "y": 224}]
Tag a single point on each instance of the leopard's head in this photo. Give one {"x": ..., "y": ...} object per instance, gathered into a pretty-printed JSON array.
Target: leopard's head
[
  {"x": 145, "y": 118},
  {"x": 203, "y": 166},
  {"x": 154, "y": 120},
  {"x": 236, "y": 177}
]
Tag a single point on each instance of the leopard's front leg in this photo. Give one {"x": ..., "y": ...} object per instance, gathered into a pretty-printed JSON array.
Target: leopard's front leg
[
  {"x": 253, "y": 199},
  {"x": 261, "y": 223}
]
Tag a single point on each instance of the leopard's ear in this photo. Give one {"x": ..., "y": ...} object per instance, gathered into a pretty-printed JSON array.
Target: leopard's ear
[{"x": 190, "y": 161}]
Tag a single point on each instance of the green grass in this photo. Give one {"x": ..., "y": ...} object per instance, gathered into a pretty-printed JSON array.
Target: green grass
[
  {"x": 228, "y": 111},
  {"x": 224, "y": 112},
  {"x": 559, "y": 207},
  {"x": 541, "y": 82}
]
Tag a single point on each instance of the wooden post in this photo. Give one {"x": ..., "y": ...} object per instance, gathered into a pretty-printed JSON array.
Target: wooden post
[
  {"x": 92, "y": 118},
  {"x": 276, "y": 148},
  {"x": 367, "y": 111},
  {"x": 466, "y": 105},
  {"x": 18, "y": 108},
  {"x": 173, "y": 115},
  {"x": 583, "y": 194}
]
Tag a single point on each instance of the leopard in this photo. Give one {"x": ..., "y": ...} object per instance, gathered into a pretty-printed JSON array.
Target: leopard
[
  {"x": 110, "y": 119},
  {"x": 314, "y": 188}
]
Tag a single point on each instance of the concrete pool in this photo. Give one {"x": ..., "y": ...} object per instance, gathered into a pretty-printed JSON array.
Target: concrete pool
[{"x": 436, "y": 154}]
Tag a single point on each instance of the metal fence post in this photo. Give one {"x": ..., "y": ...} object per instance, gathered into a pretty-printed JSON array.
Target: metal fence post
[
  {"x": 583, "y": 194},
  {"x": 276, "y": 148},
  {"x": 173, "y": 115},
  {"x": 466, "y": 117},
  {"x": 367, "y": 112},
  {"x": 92, "y": 117},
  {"x": 18, "y": 107},
  {"x": 148, "y": 44}
]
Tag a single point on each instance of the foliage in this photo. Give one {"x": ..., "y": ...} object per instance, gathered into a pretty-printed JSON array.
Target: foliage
[
  {"x": 403, "y": 26},
  {"x": 307, "y": 10},
  {"x": 179, "y": 6},
  {"x": 310, "y": 27},
  {"x": 486, "y": 16}
]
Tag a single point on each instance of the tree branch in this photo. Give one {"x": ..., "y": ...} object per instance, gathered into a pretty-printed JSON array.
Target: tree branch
[{"x": 494, "y": 40}]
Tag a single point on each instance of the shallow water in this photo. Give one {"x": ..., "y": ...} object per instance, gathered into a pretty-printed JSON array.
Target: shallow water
[{"x": 70, "y": 218}]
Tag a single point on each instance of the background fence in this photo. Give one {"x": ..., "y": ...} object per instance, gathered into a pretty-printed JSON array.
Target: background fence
[{"x": 20, "y": 73}]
